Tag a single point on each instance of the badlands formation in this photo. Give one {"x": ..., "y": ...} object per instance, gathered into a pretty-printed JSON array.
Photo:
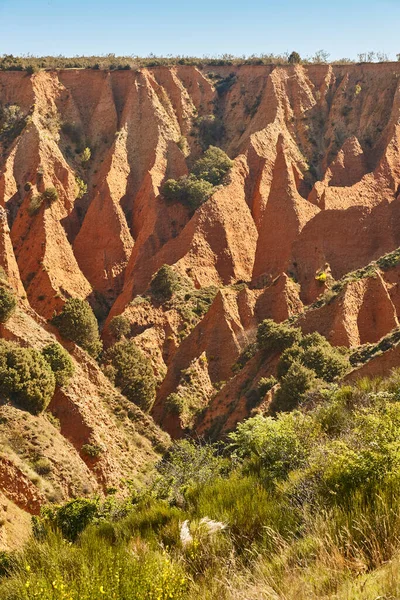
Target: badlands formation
[{"x": 305, "y": 228}]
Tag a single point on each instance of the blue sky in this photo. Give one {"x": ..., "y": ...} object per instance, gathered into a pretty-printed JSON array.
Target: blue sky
[{"x": 210, "y": 27}]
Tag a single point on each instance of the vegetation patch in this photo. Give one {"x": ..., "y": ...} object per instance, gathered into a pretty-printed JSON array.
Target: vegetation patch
[
  {"x": 25, "y": 377},
  {"x": 60, "y": 363},
  {"x": 195, "y": 189},
  {"x": 131, "y": 371},
  {"x": 76, "y": 322}
]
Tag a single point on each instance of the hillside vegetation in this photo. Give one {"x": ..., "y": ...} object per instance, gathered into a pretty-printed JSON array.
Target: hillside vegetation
[{"x": 302, "y": 505}]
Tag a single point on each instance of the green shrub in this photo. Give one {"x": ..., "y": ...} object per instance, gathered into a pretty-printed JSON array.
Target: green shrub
[
  {"x": 164, "y": 283},
  {"x": 277, "y": 446},
  {"x": 276, "y": 337},
  {"x": 76, "y": 322},
  {"x": 185, "y": 466},
  {"x": 86, "y": 155},
  {"x": 294, "y": 385},
  {"x": 8, "y": 303},
  {"x": 131, "y": 371},
  {"x": 50, "y": 195},
  {"x": 211, "y": 130},
  {"x": 60, "y": 363},
  {"x": 212, "y": 166},
  {"x": 265, "y": 384},
  {"x": 92, "y": 450},
  {"x": 187, "y": 190},
  {"x": 35, "y": 204},
  {"x": 25, "y": 377},
  {"x": 71, "y": 518},
  {"x": 294, "y": 58},
  {"x": 316, "y": 353},
  {"x": 119, "y": 326},
  {"x": 82, "y": 188}
]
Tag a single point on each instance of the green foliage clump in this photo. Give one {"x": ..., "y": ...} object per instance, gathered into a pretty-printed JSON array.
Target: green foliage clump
[
  {"x": 12, "y": 122},
  {"x": 35, "y": 204},
  {"x": 119, "y": 326},
  {"x": 277, "y": 446},
  {"x": 131, "y": 371},
  {"x": 275, "y": 337},
  {"x": 72, "y": 518},
  {"x": 164, "y": 283},
  {"x": 76, "y": 322},
  {"x": 8, "y": 302},
  {"x": 212, "y": 166},
  {"x": 210, "y": 130},
  {"x": 294, "y": 58},
  {"x": 184, "y": 467},
  {"x": 195, "y": 189},
  {"x": 265, "y": 385},
  {"x": 82, "y": 188},
  {"x": 86, "y": 155},
  {"x": 187, "y": 190},
  {"x": 225, "y": 84},
  {"x": 60, "y": 363},
  {"x": 25, "y": 377},
  {"x": 50, "y": 195},
  {"x": 92, "y": 450},
  {"x": 316, "y": 353},
  {"x": 294, "y": 385}
]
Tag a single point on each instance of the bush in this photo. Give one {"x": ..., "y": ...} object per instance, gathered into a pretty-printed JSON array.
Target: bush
[
  {"x": 210, "y": 130},
  {"x": 294, "y": 385},
  {"x": 186, "y": 465},
  {"x": 86, "y": 155},
  {"x": 212, "y": 166},
  {"x": 50, "y": 194},
  {"x": 8, "y": 303},
  {"x": 60, "y": 363},
  {"x": 275, "y": 337},
  {"x": 28, "y": 186},
  {"x": 82, "y": 188},
  {"x": 294, "y": 58},
  {"x": 164, "y": 283},
  {"x": 265, "y": 385},
  {"x": 188, "y": 190},
  {"x": 316, "y": 353},
  {"x": 35, "y": 204},
  {"x": 25, "y": 377},
  {"x": 76, "y": 322},
  {"x": 276, "y": 445},
  {"x": 73, "y": 517},
  {"x": 119, "y": 326},
  {"x": 131, "y": 371}
]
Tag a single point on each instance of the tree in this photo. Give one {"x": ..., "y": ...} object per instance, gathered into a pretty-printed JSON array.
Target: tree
[
  {"x": 164, "y": 283},
  {"x": 131, "y": 371},
  {"x": 25, "y": 377},
  {"x": 213, "y": 165},
  {"x": 294, "y": 58},
  {"x": 188, "y": 190},
  {"x": 60, "y": 363},
  {"x": 276, "y": 337},
  {"x": 294, "y": 385},
  {"x": 77, "y": 323},
  {"x": 119, "y": 326}
]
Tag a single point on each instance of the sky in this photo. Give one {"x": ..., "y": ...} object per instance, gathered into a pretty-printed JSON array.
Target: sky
[{"x": 343, "y": 28}]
